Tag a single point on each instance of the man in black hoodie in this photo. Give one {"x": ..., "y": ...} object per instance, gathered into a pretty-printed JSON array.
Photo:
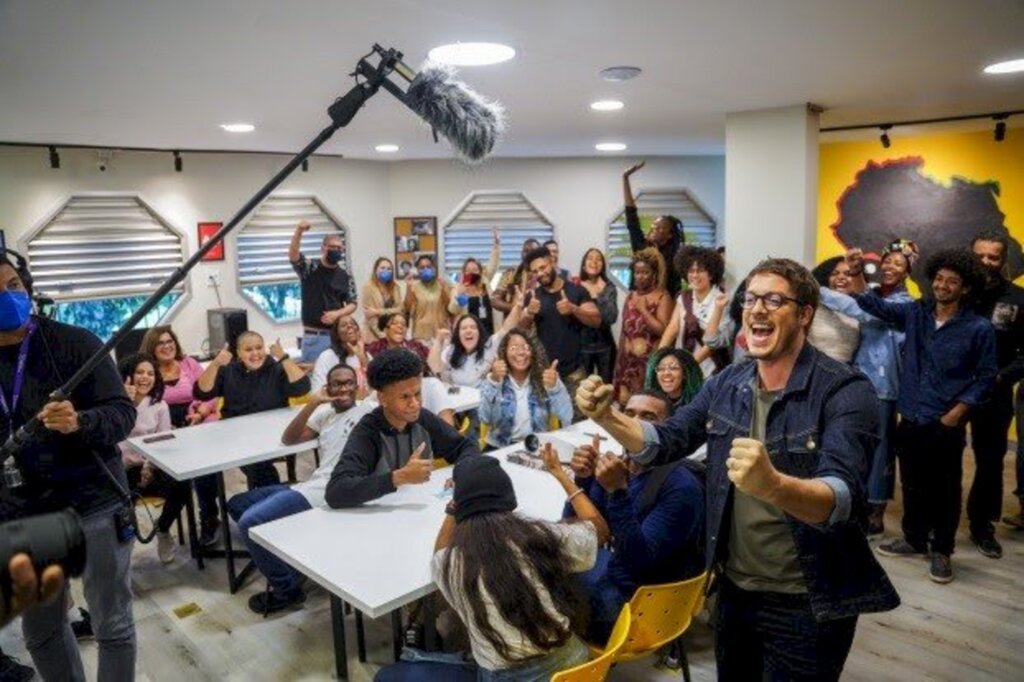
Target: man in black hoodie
[{"x": 395, "y": 444}]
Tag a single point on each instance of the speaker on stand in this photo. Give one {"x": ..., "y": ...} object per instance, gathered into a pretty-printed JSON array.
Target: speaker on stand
[{"x": 225, "y": 325}]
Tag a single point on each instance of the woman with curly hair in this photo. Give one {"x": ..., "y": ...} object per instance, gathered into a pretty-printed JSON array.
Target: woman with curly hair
[
  {"x": 522, "y": 392},
  {"x": 644, "y": 317},
  {"x": 704, "y": 269},
  {"x": 394, "y": 327},
  {"x": 674, "y": 372}
]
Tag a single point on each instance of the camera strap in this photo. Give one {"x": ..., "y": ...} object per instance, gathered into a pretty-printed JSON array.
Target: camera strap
[{"x": 19, "y": 378}]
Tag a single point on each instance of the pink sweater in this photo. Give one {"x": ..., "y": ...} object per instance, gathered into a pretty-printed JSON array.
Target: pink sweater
[
  {"x": 189, "y": 371},
  {"x": 150, "y": 418}
]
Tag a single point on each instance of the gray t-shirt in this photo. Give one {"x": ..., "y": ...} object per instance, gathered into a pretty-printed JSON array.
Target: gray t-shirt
[{"x": 762, "y": 554}]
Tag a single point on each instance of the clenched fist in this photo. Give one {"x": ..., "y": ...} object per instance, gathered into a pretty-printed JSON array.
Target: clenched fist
[
  {"x": 594, "y": 397},
  {"x": 750, "y": 468}
]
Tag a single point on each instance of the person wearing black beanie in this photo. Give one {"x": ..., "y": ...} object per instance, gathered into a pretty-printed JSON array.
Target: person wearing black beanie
[{"x": 481, "y": 487}]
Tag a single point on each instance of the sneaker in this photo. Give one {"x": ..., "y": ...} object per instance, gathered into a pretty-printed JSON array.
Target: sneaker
[
  {"x": 83, "y": 626},
  {"x": 988, "y": 545},
  {"x": 210, "y": 533},
  {"x": 1015, "y": 521},
  {"x": 165, "y": 547},
  {"x": 941, "y": 569},
  {"x": 269, "y": 601},
  {"x": 12, "y": 671},
  {"x": 898, "y": 547}
]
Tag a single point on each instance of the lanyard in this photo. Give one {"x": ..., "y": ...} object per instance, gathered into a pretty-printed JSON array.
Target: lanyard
[{"x": 19, "y": 378}]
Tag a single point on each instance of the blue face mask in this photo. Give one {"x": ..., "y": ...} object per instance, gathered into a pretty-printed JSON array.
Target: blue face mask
[
  {"x": 427, "y": 274},
  {"x": 15, "y": 308},
  {"x": 385, "y": 276},
  {"x": 333, "y": 257}
]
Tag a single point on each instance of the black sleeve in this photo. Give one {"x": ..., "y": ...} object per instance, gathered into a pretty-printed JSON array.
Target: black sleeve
[
  {"x": 350, "y": 290},
  {"x": 353, "y": 480},
  {"x": 106, "y": 415},
  {"x": 301, "y": 267},
  {"x": 215, "y": 392},
  {"x": 1014, "y": 371},
  {"x": 292, "y": 389},
  {"x": 637, "y": 238},
  {"x": 445, "y": 441}
]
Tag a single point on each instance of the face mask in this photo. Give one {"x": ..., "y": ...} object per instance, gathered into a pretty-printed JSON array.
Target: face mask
[
  {"x": 471, "y": 278},
  {"x": 15, "y": 308},
  {"x": 384, "y": 276},
  {"x": 427, "y": 274},
  {"x": 333, "y": 257},
  {"x": 462, "y": 300}
]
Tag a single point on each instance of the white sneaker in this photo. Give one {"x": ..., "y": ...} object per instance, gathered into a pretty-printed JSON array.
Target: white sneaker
[{"x": 165, "y": 547}]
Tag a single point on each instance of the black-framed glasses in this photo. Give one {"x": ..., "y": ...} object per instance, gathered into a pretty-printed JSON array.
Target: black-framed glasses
[{"x": 771, "y": 300}]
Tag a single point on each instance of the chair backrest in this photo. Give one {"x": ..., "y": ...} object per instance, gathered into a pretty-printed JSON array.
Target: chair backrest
[
  {"x": 661, "y": 613},
  {"x": 597, "y": 669}
]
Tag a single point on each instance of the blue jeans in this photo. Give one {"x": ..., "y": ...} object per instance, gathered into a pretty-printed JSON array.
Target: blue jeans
[
  {"x": 882, "y": 478},
  {"x": 263, "y": 505},
  {"x": 605, "y": 598},
  {"x": 572, "y": 654},
  {"x": 313, "y": 345}
]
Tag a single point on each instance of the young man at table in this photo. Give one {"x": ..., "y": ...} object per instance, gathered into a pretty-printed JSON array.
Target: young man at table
[
  {"x": 655, "y": 514},
  {"x": 395, "y": 444},
  {"x": 328, "y": 417}
]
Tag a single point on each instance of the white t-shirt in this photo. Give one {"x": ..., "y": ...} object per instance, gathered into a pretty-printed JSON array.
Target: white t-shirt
[
  {"x": 473, "y": 371},
  {"x": 522, "y": 426},
  {"x": 324, "y": 363},
  {"x": 578, "y": 542},
  {"x": 702, "y": 309},
  {"x": 333, "y": 428}
]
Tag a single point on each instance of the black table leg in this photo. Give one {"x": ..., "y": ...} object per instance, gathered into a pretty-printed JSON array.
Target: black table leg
[
  {"x": 338, "y": 625},
  {"x": 430, "y": 624},
  {"x": 225, "y": 530},
  {"x": 397, "y": 636},
  {"x": 193, "y": 539},
  {"x": 360, "y": 636}
]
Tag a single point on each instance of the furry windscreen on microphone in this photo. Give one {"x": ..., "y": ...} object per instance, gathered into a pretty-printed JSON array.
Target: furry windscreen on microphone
[{"x": 471, "y": 122}]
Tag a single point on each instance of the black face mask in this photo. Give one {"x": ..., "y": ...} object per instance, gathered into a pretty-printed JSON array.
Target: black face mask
[{"x": 334, "y": 256}]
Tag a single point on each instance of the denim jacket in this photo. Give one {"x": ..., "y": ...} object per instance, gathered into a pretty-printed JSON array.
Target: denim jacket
[
  {"x": 880, "y": 352},
  {"x": 824, "y": 426},
  {"x": 498, "y": 409}
]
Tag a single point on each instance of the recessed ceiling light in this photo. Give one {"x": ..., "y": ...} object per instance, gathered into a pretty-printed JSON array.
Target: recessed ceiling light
[
  {"x": 610, "y": 147},
  {"x": 387, "y": 148},
  {"x": 1012, "y": 66},
  {"x": 238, "y": 127},
  {"x": 620, "y": 73},
  {"x": 471, "y": 54},
  {"x": 606, "y": 105}
]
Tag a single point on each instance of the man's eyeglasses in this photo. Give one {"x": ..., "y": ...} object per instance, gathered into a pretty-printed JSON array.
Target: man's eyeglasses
[
  {"x": 344, "y": 383},
  {"x": 771, "y": 300}
]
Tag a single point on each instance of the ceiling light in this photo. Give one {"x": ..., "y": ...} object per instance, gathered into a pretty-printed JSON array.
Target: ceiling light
[
  {"x": 386, "y": 148},
  {"x": 606, "y": 105},
  {"x": 238, "y": 127},
  {"x": 610, "y": 147},
  {"x": 886, "y": 142},
  {"x": 1012, "y": 66},
  {"x": 620, "y": 73},
  {"x": 471, "y": 54}
]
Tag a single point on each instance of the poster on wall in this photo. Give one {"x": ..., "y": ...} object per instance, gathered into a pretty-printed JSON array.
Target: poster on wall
[
  {"x": 937, "y": 190},
  {"x": 414, "y": 237},
  {"x": 206, "y": 232}
]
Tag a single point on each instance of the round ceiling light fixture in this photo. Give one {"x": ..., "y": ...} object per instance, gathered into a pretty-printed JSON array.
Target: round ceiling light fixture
[
  {"x": 617, "y": 74},
  {"x": 386, "y": 148},
  {"x": 607, "y": 105},
  {"x": 610, "y": 147},
  {"x": 471, "y": 54},
  {"x": 238, "y": 127},
  {"x": 1012, "y": 66}
]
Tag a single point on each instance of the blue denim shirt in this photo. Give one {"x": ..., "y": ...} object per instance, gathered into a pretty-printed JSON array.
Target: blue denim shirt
[
  {"x": 498, "y": 409},
  {"x": 955, "y": 363},
  {"x": 824, "y": 426},
  {"x": 881, "y": 345}
]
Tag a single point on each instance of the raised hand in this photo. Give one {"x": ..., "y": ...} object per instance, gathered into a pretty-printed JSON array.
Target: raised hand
[
  {"x": 303, "y": 226},
  {"x": 277, "y": 350},
  {"x": 612, "y": 473},
  {"x": 321, "y": 396},
  {"x": 129, "y": 388},
  {"x": 584, "y": 459},
  {"x": 533, "y": 307},
  {"x": 634, "y": 168},
  {"x": 549, "y": 455},
  {"x": 416, "y": 470},
  {"x": 721, "y": 301},
  {"x": 442, "y": 335},
  {"x": 594, "y": 397},
  {"x": 564, "y": 305},
  {"x": 855, "y": 258},
  {"x": 496, "y": 235},
  {"x": 550, "y": 376},
  {"x": 519, "y": 297},
  {"x": 499, "y": 370},
  {"x": 224, "y": 357}
]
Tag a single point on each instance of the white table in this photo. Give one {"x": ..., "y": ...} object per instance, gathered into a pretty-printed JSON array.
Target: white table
[{"x": 376, "y": 557}]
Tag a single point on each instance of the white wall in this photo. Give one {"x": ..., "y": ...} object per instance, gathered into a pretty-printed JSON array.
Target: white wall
[{"x": 578, "y": 195}]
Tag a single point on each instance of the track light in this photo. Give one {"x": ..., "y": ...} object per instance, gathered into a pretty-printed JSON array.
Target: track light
[
  {"x": 305, "y": 166},
  {"x": 54, "y": 158},
  {"x": 177, "y": 162},
  {"x": 886, "y": 142},
  {"x": 1000, "y": 131}
]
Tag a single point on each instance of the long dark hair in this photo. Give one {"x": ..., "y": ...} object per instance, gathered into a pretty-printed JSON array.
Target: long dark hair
[
  {"x": 494, "y": 551},
  {"x": 583, "y": 265},
  {"x": 339, "y": 346},
  {"x": 459, "y": 353},
  {"x": 132, "y": 362},
  {"x": 538, "y": 361}
]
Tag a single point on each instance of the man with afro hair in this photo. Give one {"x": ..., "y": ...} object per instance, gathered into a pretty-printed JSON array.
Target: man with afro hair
[{"x": 949, "y": 366}]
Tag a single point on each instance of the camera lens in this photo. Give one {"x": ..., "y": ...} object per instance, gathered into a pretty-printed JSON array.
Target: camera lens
[{"x": 48, "y": 539}]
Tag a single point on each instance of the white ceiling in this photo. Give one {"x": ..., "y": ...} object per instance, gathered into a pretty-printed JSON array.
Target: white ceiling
[{"x": 166, "y": 73}]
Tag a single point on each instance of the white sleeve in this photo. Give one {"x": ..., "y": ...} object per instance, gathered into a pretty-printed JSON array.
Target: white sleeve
[
  {"x": 324, "y": 362},
  {"x": 579, "y": 541},
  {"x": 319, "y": 416}
]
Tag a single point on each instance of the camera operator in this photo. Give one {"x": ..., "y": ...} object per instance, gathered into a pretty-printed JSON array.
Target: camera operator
[
  {"x": 72, "y": 462},
  {"x": 29, "y": 589}
]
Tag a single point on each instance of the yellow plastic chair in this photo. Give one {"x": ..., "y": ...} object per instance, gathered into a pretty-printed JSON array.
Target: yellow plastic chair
[
  {"x": 661, "y": 614},
  {"x": 597, "y": 669}
]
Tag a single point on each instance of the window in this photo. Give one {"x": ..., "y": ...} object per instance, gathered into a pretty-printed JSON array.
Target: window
[
  {"x": 468, "y": 231},
  {"x": 265, "y": 276},
  {"x": 99, "y": 257},
  {"x": 698, "y": 226}
]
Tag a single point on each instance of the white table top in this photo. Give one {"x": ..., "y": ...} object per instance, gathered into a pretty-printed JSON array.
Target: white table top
[
  {"x": 226, "y": 444},
  {"x": 377, "y": 556},
  {"x": 467, "y": 398}
]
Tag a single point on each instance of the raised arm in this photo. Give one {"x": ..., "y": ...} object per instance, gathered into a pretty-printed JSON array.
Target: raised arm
[
  {"x": 637, "y": 238},
  {"x": 297, "y": 430},
  {"x": 295, "y": 247},
  {"x": 208, "y": 384},
  {"x": 582, "y": 506}
]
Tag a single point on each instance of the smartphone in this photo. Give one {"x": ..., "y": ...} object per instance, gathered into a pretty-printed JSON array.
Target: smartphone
[
  {"x": 452, "y": 390},
  {"x": 159, "y": 437}
]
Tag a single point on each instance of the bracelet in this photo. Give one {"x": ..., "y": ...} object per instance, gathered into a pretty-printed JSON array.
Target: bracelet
[{"x": 578, "y": 492}]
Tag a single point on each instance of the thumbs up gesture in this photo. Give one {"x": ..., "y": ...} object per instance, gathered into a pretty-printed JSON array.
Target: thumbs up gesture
[
  {"x": 223, "y": 358},
  {"x": 564, "y": 305},
  {"x": 550, "y": 376},
  {"x": 277, "y": 350},
  {"x": 416, "y": 470},
  {"x": 129, "y": 388},
  {"x": 533, "y": 307},
  {"x": 499, "y": 370}
]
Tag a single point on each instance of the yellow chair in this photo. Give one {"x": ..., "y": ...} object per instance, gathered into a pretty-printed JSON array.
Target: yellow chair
[
  {"x": 661, "y": 614},
  {"x": 597, "y": 669}
]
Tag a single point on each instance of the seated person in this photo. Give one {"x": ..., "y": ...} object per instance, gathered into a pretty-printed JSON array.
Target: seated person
[
  {"x": 145, "y": 388},
  {"x": 655, "y": 515},
  {"x": 509, "y": 579},
  {"x": 522, "y": 392},
  {"x": 346, "y": 348},
  {"x": 255, "y": 383},
  {"x": 395, "y": 444},
  {"x": 394, "y": 328},
  {"x": 675, "y": 373},
  {"x": 329, "y": 417}
]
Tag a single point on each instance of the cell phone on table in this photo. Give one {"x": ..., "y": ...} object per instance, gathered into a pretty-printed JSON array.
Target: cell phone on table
[
  {"x": 157, "y": 438},
  {"x": 452, "y": 390}
]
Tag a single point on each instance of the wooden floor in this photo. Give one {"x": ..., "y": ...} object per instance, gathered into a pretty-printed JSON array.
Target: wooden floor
[{"x": 971, "y": 629}]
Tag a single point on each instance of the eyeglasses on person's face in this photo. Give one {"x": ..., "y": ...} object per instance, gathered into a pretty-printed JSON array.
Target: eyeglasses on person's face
[{"x": 772, "y": 300}]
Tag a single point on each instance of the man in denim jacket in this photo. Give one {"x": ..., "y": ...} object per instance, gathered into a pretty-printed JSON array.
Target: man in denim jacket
[{"x": 790, "y": 438}]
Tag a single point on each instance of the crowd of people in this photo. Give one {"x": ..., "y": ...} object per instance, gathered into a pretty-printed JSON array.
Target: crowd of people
[{"x": 807, "y": 388}]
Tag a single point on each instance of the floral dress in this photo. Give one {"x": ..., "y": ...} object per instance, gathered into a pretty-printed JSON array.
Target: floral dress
[{"x": 636, "y": 344}]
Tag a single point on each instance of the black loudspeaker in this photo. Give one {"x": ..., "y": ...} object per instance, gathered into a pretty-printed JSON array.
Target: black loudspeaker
[
  {"x": 131, "y": 343},
  {"x": 225, "y": 325}
]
